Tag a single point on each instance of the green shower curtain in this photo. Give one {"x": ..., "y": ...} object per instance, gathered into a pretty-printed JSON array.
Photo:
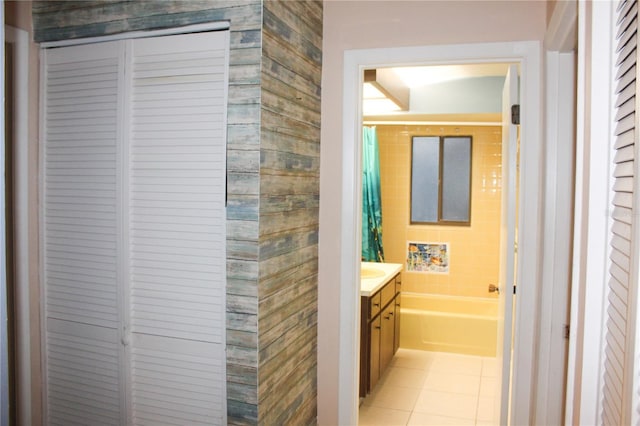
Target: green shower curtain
[{"x": 371, "y": 199}]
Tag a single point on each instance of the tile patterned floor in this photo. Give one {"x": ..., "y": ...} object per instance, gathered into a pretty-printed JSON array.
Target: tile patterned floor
[{"x": 432, "y": 388}]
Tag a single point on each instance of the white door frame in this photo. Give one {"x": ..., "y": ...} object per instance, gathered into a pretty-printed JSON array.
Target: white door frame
[
  {"x": 20, "y": 41},
  {"x": 528, "y": 55},
  {"x": 560, "y": 105}
]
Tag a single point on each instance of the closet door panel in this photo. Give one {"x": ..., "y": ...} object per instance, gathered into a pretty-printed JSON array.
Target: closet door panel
[
  {"x": 177, "y": 150},
  {"x": 81, "y": 232},
  {"x": 176, "y": 381}
]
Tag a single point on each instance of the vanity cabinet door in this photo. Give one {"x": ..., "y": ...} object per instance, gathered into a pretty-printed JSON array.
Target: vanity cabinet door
[
  {"x": 374, "y": 352},
  {"x": 387, "y": 336}
]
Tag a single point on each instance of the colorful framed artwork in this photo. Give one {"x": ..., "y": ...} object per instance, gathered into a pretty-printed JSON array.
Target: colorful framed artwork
[{"x": 428, "y": 257}]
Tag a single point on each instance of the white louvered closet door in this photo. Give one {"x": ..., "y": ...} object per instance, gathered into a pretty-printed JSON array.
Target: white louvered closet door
[
  {"x": 177, "y": 228},
  {"x": 623, "y": 280},
  {"x": 134, "y": 231},
  {"x": 81, "y": 228}
]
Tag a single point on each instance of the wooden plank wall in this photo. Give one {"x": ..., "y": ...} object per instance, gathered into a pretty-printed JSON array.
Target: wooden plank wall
[
  {"x": 289, "y": 201},
  {"x": 273, "y": 184}
]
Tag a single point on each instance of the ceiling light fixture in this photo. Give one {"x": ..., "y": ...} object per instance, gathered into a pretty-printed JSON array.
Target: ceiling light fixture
[{"x": 383, "y": 92}]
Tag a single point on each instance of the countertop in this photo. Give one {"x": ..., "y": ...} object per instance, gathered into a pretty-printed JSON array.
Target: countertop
[{"x": 368, "y": 286}]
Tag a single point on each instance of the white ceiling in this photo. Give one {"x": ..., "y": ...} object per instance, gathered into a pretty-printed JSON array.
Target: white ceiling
[
  {"x": 455, "y": 91},
  {"x": 415, "y": 77}
]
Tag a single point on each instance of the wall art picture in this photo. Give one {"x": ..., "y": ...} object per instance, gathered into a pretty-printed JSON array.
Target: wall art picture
[{"x": 428, "y": 257}]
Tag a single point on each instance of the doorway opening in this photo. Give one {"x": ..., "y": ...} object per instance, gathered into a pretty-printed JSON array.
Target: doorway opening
[
  {"x": 526, "y": 54},
  {"x": 443, "y": 180}
]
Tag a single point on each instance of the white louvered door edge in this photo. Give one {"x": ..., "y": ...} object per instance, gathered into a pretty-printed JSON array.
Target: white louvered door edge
[
  {"x": 133, "y": 231},
  {"x": 620, "y": 372}
]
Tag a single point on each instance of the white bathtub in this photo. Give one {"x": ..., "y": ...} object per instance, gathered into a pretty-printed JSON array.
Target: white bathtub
[{"x": 466, "y": 325}]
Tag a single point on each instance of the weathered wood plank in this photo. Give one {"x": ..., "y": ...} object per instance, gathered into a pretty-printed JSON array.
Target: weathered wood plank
[
  {"x": 243, "y": 136},
  {"x": 279, "y": 87},
  {"x": 310, "y": 12},
  {"x": 242, "y": 321},
  {"x": 286, "y": 184},
  {"x": 242, "y": 304},
  {"x": 276, "y": 141},
  {"x": 293, "y": 306},
  {"x": 246, "y": 39},
  {"x": 242, "y": 374},
  {"x": 288, "y": 242},
  {"x": 242, "y": 230},
  {"x": 283, "y": 203},
  {"x": 242, "y": 392},
  {"x": 241, "y": 414},
  {"x": 242, "y": 94},
  {"x": 275, "y": 266},
  {"x": 96, "y": 19},
  {"x": 243, "y": 161},
  {"x": 244, "y": 74},
  {"x": 297, "y": 62},
  {"x": 297, "y": 41},
  {"x": 286, "y": 107},
  {"x": 243, "y": 114},
  {"x": 239, "y": 355},
  {"x": 246, "y": 250},
  {"x": 247, "y": 339},
  {"x": 243, "y": 207},
  {"x": 284, "y": 221},
  {"x": 247, "y": 56},
  {"x": 243, "y": 183},
  {"x": 284, "y": 410},
  {"x": 280, "y": 72},
  {"x": 241, "y": 270},
  {"x": 286, "y": 162},
  {"x": 285, "y": 125},
  {"x": 283, "y": 369},
  {"x": 242, "y": 287},
  {"x": 295, "y": 16},
  {"x": 288, "y": 277},
  {"x": 307, "y": 413}
]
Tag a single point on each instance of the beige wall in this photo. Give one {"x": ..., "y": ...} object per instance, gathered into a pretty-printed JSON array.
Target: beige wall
[
  {"x": 18, "y": 15},
  {"x": 369, "y": 24},
  {"x": 473, "y": 250}
]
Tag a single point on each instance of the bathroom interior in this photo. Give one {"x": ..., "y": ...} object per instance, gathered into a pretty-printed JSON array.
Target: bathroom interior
[{"x": 431, "y": 270}]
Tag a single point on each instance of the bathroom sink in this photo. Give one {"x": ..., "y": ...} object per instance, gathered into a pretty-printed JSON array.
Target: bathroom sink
[{"x": 367, "y": 272}]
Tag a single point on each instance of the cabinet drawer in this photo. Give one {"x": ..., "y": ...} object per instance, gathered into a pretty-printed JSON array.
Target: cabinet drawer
[
  {"x": 374, "y": 308},
  {"x": 388, "y": 291},
  {"x": 398, "y": 284}
]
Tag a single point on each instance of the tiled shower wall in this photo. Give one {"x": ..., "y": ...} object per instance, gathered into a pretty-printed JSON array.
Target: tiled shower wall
[
  {"x": 273, "y": 184},
  {"x": 474, "y": 250}
]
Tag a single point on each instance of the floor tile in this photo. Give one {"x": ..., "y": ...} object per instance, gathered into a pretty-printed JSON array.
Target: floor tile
[
  {"x": 488, "y": 386},
  {"x": 447, "y": 404},
  {"x": 489, "y": 367},
  {"x": 404, "y": 377},
  {"x": 374, "y": 416},
  {"x": 425, "y": 419},
  {"x": 412, "y": 358},
  {"x": 486, "y": 408},
  {"x": 395, "y": 397},
  {"x": 455, "y": 363},
  {"x": 452, "y": 382}
]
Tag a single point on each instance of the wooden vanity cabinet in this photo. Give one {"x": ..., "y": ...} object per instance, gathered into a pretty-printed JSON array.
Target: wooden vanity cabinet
[{"x": 379, "y": 333}]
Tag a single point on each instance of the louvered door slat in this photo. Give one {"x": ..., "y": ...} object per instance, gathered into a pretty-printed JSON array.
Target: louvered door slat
[
  {"x": 80, "y": 228},
  {"x": 623, "y": 245},
  {"x": 177, "y": 228}
]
